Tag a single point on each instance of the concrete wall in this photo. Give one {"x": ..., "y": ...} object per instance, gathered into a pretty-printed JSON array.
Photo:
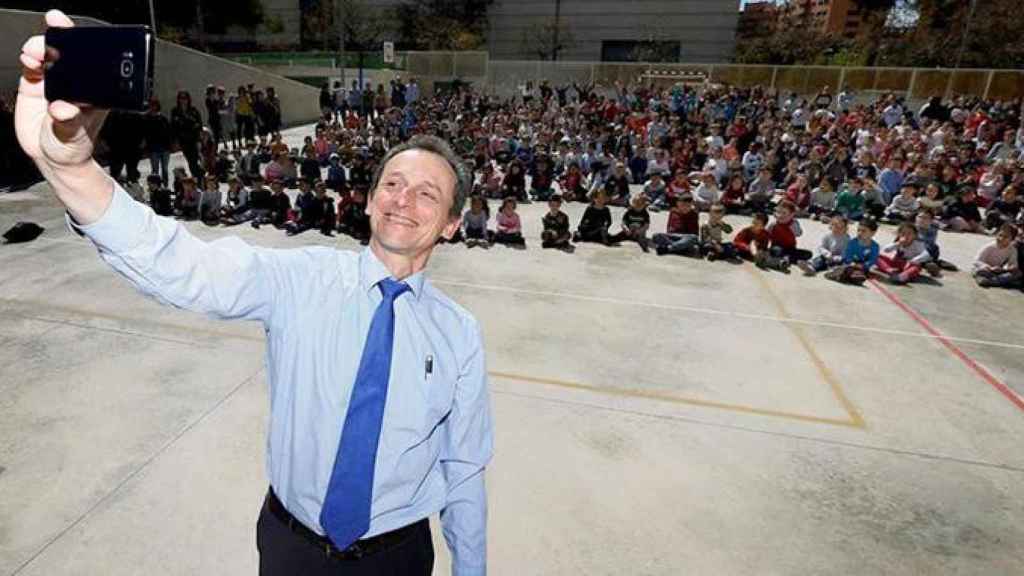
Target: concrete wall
[
  {"x": 706, "y": 29},
  {"x": 177, "y": 68}
]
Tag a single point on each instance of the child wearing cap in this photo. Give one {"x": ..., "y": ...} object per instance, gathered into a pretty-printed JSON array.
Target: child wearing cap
[{"x": 556, "y": 226}]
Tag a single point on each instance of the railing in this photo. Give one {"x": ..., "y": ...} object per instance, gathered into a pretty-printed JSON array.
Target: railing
[{"x": 503, "y": 77}]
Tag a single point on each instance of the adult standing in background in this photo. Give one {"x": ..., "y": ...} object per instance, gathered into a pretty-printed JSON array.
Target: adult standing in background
[
  {"x": 213, "y": 103},
  {"x": 379, "y": 405},
  {"x": 245, "y": 118},
  {"x": 157, "y": 133},
  {"x": 186, "y": 123},
  {"x": 274, "y": 106}
]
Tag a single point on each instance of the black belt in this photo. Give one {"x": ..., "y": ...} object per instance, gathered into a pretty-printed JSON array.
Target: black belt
[{"x": 358, "y": 549}]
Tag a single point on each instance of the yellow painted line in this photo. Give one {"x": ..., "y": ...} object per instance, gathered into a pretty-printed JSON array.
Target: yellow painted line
[
  {"x": 665, "y": 397},
  {"x": 856, "y": 419}
]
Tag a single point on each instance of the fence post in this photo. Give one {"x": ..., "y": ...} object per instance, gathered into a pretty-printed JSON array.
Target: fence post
[
  {"x": 988, "y": 83},
  {"x": 775, "y": 73},
  {"x": 913, "y": 83},
  {"x": 842, "y": 80}
]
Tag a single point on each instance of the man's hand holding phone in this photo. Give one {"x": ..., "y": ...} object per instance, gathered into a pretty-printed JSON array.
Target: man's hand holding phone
[{"x": 60, "y": 136}]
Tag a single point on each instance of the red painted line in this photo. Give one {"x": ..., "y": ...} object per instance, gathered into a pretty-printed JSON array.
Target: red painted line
[{"x": 978, "y": 369}]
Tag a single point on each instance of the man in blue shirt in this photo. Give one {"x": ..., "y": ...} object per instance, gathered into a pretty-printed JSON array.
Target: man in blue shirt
[{"x": 379, "y": 411}]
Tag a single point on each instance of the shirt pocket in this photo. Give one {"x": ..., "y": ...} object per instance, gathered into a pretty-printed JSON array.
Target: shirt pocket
[{"x": 438, "y": 386}]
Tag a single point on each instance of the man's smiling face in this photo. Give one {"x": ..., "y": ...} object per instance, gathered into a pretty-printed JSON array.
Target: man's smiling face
[{"x": 411, "y": 206}]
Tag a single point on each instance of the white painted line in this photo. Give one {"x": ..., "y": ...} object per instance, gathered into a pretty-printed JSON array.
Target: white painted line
[
  {"x": 678, "y": 308},
  {"x": 715, "y": 312}
]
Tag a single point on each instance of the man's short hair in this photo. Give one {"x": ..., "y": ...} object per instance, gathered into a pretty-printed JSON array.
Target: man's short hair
[
  {"x": 870, "y": 224},
  {"x": 555, "y": 198},
  {"x": 434, "y": 145}
]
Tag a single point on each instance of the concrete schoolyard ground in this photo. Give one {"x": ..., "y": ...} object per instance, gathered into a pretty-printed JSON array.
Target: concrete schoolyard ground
[{"x": 654, "y": 415}]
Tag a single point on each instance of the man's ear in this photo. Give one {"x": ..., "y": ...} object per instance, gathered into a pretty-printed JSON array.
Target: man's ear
[{"x": 450, "y": 228}]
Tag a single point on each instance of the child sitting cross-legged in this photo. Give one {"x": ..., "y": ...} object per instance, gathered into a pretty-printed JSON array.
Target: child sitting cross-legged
[
  {"x": 903, "y": 207},
  {"x": 996, "y": 265},
  {"x": 860, "y": 256},
  {"x": 901, "y": 262},
  {"x": 635, "y": 222},
  {"x": 682, "y": 231},
  {"x": 474, "y": 223},
  {"x": 928, "y": 234},
  {"x": 556, "y": 226},
  {"x": 509, "y": 228},
  {"x": 784, "y": 232},
  {"x": 714, "y": 241},
  {"x": 963, "y": 214},
  {"x": 823, "y": 201},
  {"x": 751, "y": 243},
  {"x": 597, "y": 218},
  {"x": 831, "y": 250}
]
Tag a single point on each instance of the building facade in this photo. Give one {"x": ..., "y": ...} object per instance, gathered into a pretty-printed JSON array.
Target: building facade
[
  {"x": 757, "y": 20},
  {"x": 837, "y": 17},
  {"x": 613, "y": 30}
]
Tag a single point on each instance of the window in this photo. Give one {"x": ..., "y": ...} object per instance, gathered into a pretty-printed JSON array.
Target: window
[{"x": 640, "y": 51}]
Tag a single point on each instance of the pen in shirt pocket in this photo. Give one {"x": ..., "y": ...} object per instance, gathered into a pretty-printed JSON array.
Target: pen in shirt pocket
[{"x": 428, "y": 366}]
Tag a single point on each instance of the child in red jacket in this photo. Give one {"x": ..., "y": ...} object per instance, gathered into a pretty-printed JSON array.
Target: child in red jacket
[{"x": 784, "y": 232}]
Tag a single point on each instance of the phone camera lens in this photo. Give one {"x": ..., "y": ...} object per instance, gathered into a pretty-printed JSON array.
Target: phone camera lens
[{"x": 127, "y": 68}]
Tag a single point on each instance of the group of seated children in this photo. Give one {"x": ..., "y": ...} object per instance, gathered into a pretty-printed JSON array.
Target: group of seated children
[
  {"x": 313, "y": 209},
  {"x": 769, "y": 244}
]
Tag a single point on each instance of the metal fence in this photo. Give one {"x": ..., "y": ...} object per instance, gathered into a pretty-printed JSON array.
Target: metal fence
[{"x": 503, "y": 77}]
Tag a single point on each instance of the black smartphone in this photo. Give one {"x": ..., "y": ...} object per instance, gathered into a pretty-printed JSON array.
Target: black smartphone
[{"x": 104, "y": 66}]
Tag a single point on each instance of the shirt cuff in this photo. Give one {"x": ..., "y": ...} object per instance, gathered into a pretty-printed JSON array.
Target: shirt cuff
[{"x": 119, "y": 229}]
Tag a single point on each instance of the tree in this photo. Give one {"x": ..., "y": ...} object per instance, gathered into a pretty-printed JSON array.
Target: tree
[
  {"x": 547, "y": 40},
  {"x": 318, "y": 23},
  {"x": 442, "y": 24}
]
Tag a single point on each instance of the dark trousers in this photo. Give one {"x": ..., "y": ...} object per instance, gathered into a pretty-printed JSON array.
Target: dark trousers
[{"x": 285, "y": 553}]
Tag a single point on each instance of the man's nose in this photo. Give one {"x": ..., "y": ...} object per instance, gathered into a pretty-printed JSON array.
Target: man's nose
[{"x": 404, "y": 197}]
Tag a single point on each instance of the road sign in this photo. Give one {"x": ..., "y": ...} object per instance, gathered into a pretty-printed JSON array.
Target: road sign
[{"x": 389, "y": 52}]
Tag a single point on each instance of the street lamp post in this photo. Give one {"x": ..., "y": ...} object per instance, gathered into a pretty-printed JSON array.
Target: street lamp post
[
  {"x": 152, "y": 17},
  {"x": 967, "y": 29},
  {"x": 558, "y": 18}
]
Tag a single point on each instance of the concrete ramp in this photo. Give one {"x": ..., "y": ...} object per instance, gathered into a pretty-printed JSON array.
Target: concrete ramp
[{"x": 177, "y": 68}]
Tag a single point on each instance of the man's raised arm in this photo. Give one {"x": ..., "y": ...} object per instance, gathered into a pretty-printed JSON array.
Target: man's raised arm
[{"x": 226, "y": 278}]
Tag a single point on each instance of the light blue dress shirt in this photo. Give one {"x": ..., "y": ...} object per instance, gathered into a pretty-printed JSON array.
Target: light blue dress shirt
[{"x": 316, "y": 304}]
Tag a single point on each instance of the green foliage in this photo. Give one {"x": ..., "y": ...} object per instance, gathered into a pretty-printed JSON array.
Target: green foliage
[
  {"x": 442, "y": 24},
  {"x": 993, "y": 39}
]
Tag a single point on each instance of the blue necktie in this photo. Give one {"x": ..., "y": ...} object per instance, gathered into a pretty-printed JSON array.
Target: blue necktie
[{"x": 345, "y": 515}]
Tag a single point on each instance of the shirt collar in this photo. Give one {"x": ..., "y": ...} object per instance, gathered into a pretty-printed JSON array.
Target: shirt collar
[{"x": 372, "y": 271}]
